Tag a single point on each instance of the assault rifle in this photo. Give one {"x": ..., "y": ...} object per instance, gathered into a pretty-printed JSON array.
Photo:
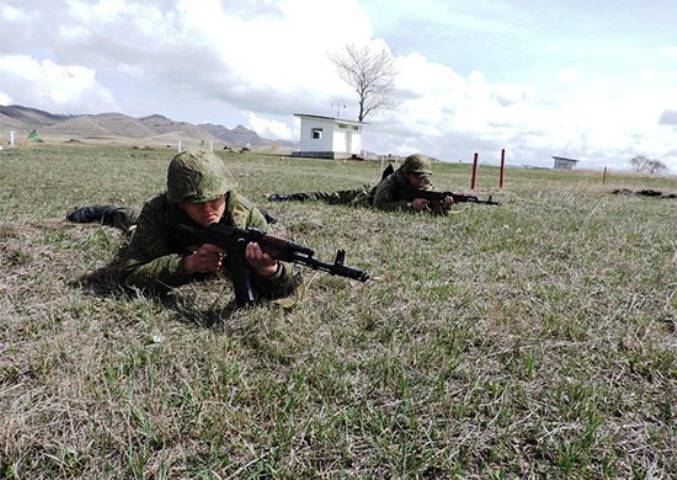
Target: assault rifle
[
  {"x": 436, "y": 199},
  {"x": 234, "y": 240}
]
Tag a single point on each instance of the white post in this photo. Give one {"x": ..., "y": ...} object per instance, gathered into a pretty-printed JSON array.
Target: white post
[
  {"x": 211, "y": 145},
  {"x": 178, "y": 149},
  {"x": 11, "y": 138}
]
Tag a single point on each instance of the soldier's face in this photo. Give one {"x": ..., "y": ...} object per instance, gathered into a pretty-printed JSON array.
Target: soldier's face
[
  {"x": 416, "y": 181},
  {"x": 205, "y": 213}
]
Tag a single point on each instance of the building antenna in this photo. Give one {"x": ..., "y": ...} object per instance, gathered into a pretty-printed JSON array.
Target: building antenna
[{"x": 338, "y": 106}]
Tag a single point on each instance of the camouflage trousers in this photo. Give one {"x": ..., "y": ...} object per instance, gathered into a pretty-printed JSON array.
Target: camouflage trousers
[
  {"x": 123, "y": 218},
  {"x": 355, "y": 198}
]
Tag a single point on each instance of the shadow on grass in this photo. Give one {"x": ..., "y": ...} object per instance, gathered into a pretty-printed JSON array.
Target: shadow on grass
[
  {"x": 191, "y": 314},
  {"x": 102, "y": 283}
]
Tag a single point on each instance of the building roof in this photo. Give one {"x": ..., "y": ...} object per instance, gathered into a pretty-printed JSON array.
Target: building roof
[
  {"x": 566, "y": 159},
  {"x": 333, "y": 119}
]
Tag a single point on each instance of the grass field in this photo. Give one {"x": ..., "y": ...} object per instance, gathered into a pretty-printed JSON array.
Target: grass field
[{"x": 535, "y": 339}]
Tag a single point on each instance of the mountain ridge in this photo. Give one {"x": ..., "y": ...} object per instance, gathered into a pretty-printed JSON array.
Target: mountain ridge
[{"x": 154, "y": 127}]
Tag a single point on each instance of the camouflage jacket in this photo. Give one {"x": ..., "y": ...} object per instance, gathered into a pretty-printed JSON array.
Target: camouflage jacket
[
  {"x": 385, "y": 195},
  {"x": 153, "y": 260}
]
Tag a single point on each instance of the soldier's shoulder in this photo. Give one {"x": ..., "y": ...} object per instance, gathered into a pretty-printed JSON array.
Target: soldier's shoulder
[
  {"x": 157, "y": 204},
  {"x": 387, "y": 182},
  {"x": 238, "y": 202},
  {"x": 242, "y": 212},
  {"x": 158, "y": 201},
  {"x": 155, "y": 209}
]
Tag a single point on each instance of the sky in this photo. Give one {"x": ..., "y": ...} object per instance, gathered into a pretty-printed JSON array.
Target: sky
[{"x": 595, "y": 81}]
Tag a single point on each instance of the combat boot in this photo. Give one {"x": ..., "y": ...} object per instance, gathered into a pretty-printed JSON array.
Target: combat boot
[
  {"x": 280, "y": 197},
  {"x": 94, "y": 214}
]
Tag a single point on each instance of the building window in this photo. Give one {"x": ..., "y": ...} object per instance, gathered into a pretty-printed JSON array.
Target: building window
[
  {"x": 343, "y": 125},
  {"x": 317, "y": 133}
]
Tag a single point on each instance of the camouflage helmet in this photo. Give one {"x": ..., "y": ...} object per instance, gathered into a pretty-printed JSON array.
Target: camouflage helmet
[
  {"x": 418, "y": 164},
  {"x": 197, "y": 176}
]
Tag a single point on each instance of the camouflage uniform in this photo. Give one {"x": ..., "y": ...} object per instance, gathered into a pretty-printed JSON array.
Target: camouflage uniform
[
  {"x": 154, "y": 258},
  {"x": 354, "y": 198},
  {"x": 384, "y": 196},
  {"x": 124, "y": 218}
]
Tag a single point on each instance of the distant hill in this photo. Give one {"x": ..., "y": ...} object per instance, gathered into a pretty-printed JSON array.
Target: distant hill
[
  {"x": 97, "y": 125},
  {"x": 162, "y": 125},
  {"x": 241, "y": 136},
  {"x": 10, "y": 123},
  {"x": 32, "y": 117},
  {"x": 152, "y": 129},
  {"x": 76, "y": 127}
]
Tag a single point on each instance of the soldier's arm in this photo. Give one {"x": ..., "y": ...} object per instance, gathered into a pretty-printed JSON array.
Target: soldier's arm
[
  {"x": 149, "y": 261},
  {"x": 282, "y": 283},
  {"x": 385, "y": 197}
]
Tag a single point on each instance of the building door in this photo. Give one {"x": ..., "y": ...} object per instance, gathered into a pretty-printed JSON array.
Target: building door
[{"x": 349, "y": 142}]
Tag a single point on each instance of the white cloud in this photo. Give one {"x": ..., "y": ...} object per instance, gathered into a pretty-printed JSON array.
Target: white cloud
[
  {"x": 602, "y": 122},
  {"x": 268, "y": 59},
  {"x": 12, "y": 14},
  {"x": 569, "y": 75},
  {"x": 285, "y": 53},
  {"x": 74, "y": 32},
  {"x": 441, "y": 102},
  {"x": 669, "y": 51},
  {"x": 651, "y": 75},
  {"x": 103, "y": 10},
  {"x": 45, "y": 84},
  {"x": 269, "y": 128},
  {"x": 264, "y": 56},
  {"x": 5, "y": 99}
]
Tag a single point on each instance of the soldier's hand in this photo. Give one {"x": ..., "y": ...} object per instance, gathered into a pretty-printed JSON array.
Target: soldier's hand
[
  {"x": 419, "y": 204},
  {"x": 448, "y": 201},
  {"x": 205, "y": 259},
  {"x": 264, "y": 264}
]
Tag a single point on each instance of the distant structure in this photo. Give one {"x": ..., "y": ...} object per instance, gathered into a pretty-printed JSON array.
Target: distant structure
[
  {"x": 329, "y": 137},
  {"x": 562, "y": 163},
  {"x": 34, "y": 137}
]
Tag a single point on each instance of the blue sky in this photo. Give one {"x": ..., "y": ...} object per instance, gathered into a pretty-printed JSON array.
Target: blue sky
[{"x": 591, "y": 80}]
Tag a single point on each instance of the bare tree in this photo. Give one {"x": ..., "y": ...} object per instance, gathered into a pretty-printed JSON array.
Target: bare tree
[
  {"x": 645, "y": 165},
  {"x": 371, "y": 73}
]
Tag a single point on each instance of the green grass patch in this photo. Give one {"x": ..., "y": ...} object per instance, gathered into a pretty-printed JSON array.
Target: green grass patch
[{"x": 536, "y": 339}]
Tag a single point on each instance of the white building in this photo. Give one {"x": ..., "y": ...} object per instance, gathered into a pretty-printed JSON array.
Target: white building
[
  {"x": 562, "y": 163},
  {"x": 328, "y": 137}
]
